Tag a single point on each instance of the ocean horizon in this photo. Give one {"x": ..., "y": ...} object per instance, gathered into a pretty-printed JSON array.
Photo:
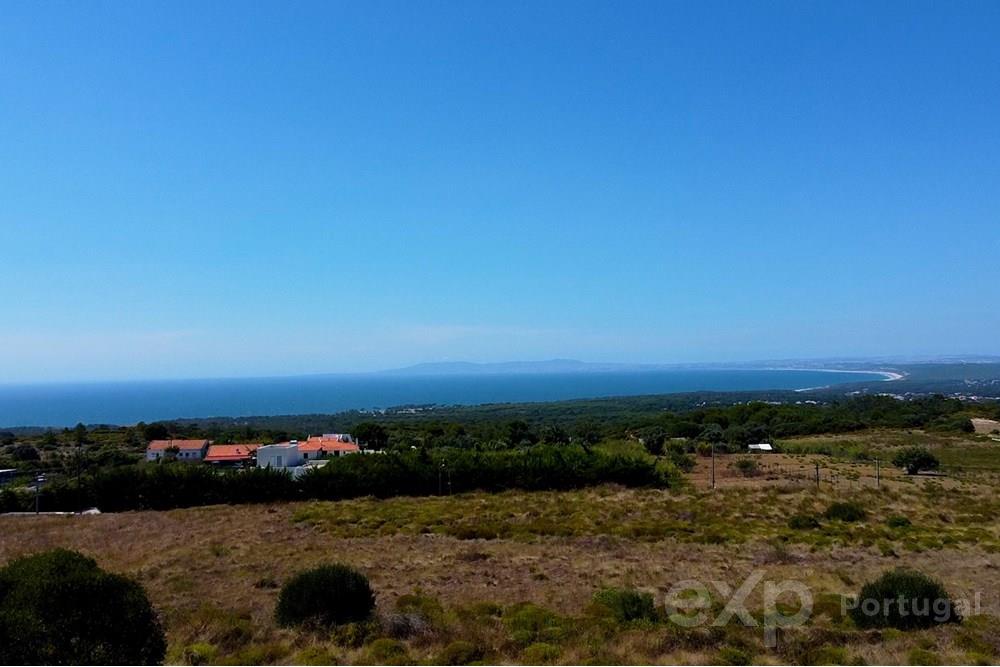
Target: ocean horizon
[{"x": 123, "y": 403}]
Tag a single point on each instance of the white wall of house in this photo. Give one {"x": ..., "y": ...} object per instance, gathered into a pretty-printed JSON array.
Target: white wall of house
[
  {"x": 279, "y": 456},
  {"x": 182, "y": 455}
]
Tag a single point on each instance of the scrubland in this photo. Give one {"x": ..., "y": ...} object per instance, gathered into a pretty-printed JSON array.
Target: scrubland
[{"x": 511, "y": 577}]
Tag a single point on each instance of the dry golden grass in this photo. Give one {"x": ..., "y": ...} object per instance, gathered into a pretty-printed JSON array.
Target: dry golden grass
[{"x": 213, "y": 573}]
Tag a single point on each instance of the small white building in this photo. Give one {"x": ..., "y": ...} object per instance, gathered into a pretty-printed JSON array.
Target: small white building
[
  {"x": 761, "y": 447},
  {"x": 281, "y": 455},
  {"x": 182, "y": 450}
]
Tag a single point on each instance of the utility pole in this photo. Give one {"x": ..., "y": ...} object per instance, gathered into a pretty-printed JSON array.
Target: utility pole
[
  {"x": 39, "y": 479},
  {"x": 878, "y": 474},
  {"x": 713, "y": 465},
  {"x": 817, "y": 475},
  {"x": 79, "y": 466},
  {"x": 440, "y": 489}
]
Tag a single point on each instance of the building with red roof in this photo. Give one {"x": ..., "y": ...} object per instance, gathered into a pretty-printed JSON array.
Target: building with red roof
[
  {"x": 327, "y": 445},
  {"x": 182, "y": 450},
  {"x": 242, "y": 454}
]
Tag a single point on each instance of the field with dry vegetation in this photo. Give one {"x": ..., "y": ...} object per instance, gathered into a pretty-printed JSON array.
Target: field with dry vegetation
[{"x": 511, "y": 577}]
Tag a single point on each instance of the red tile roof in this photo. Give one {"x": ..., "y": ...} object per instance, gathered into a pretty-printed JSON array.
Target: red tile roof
[
  {"x": 223, "y": 453},
  {"x": 161, "y": 445},
  {"x": 316, "y": 443}
]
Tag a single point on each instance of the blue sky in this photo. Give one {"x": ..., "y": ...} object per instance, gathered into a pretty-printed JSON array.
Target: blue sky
[{"x": 214, "y": 189}]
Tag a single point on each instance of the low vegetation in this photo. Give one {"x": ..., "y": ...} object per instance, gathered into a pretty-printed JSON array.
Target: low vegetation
[
  {"x": 545, "y": 537},
  {"x": 915, "y": 460},
  {"x": 409, "y": 473},
  {"x": 58, "y": 607},
  {"x": 325, "y": 596},
  {"x": 905, "y": 600},
  {"x": 847, "y": 512}
]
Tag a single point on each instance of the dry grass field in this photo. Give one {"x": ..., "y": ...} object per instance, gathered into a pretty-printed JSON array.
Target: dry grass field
[{"x": 476, "y": 559}]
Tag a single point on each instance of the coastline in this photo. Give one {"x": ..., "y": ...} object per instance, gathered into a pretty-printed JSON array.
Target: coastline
[{"x": 887, "y": 376}]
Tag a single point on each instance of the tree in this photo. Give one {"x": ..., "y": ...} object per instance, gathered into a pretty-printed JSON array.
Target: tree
[
  {"x": 588, "y": 432},
  {"x": 520, "y": 433},
  {"x": 370, "y": 434},
  {"x": 59, "y": 607},
  {"x": 155, "y": 432},
  {"x": 653, "y": 440},
  {"x": 7, "y": 438},
  {"x": 915, "y": 459},
  {"x": 711, "y": 433},
  {"x": 80, "y": 434},
  {"x": 555, "y": 435},
  {"x": 25, "y": 453}
]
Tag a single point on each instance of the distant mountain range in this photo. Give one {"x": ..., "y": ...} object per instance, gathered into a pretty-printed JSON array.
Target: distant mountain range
[
  {"x": 514, "y": 367},
  {"x": 577, "y": 366}
]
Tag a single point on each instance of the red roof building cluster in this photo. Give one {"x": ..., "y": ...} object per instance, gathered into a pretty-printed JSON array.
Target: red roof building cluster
[{"x": 231, "y": 453}]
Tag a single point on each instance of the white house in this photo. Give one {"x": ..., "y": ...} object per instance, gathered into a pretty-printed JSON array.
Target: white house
[
  {"x": 329, "y": 445},
  {"x": 761, "y": 447},
  {"x": 182, "y": 450},
  {"x": 281, "y": 455}
]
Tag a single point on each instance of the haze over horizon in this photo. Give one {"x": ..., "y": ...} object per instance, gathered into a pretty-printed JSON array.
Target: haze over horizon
[{"x": 197, "y": 190}]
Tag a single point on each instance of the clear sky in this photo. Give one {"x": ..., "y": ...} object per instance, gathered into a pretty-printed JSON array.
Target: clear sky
[{"x": 215, "y": 189}]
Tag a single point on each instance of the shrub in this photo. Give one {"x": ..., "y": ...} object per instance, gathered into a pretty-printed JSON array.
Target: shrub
[
  {"x": 626, "y": 604},
  {"x": 327, "y": 595},
  {"x": 417, "y": 614},
  {"x": 905, "y": 600},
  {"x": 897, "y": 521},
  {"x": 25, "y": 453},
  {"x": 803, "y": 522},
  {"x": 830, "y": 655},
  {"x": 459, "y": 652},
  {"x": 59, "y": 607},
  {"x": 386, "y": 652},
  {"x": 540, "y": 653},
  {"x": 733, "y": 656},
  {"x": 529, "y": 623},
  {"x": 848, "y": 512},
  {"x": 915, "y": 459},
  {"x": 747, "y": 467},
  {"x": 920, "y": 656},
  {"x": 200, "y": 653}
]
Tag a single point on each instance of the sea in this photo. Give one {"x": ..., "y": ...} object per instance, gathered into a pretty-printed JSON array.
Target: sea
[{"x": 122, "y": 403}]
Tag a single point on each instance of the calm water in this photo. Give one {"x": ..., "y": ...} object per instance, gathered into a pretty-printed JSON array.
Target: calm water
[{"x": 130, "y": 402}]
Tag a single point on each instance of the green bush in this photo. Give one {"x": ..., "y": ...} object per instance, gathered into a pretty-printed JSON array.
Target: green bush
[
  {"x": 920, "y": 656},
  {"x": 327, "y": 595},
  {"x": 905, "y": 600},
  {"x": 915, "y": 459},
  {"x": 200, "y": 653},
  {"x": 529, "y": 623},
  {"x": 459, "y": 652},
  {"x": 747, "y": 467},
  {"x": 733, "y": 656},
  {"x": 626, "y": 604},
  {"x": 830, "y": 655},
  {"x": 59, "y": 607},
  {"x": 386, "y": 651},
  {"x": 847, "y": 512},
  {"x": 540, "y": 653},
  {"x": 803, "y": 522},
  {"x": 897, "y": 521}
]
